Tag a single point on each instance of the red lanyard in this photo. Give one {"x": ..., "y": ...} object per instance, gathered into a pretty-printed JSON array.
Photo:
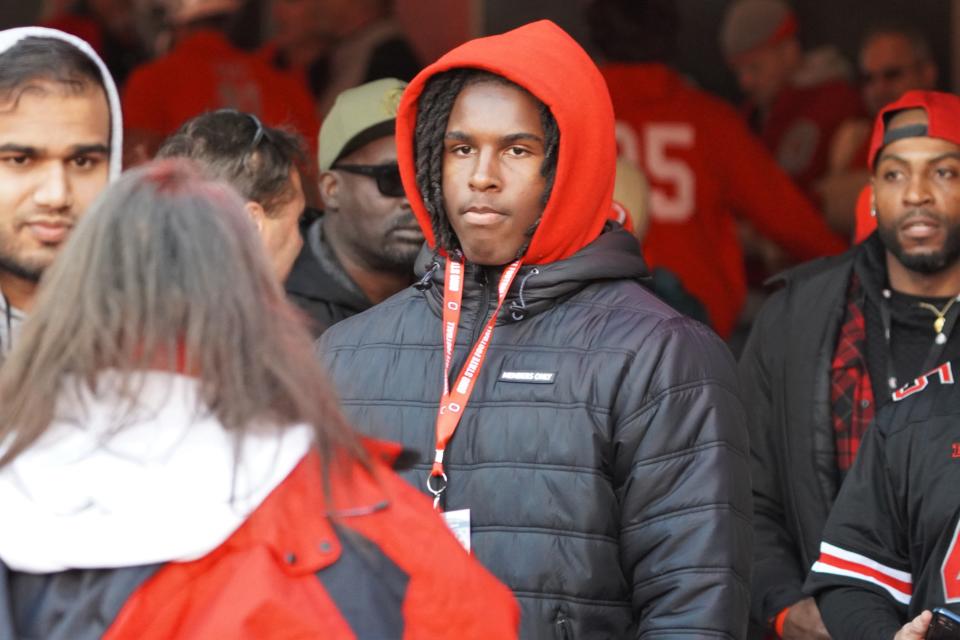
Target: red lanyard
[{"x": 454, "y": 401}]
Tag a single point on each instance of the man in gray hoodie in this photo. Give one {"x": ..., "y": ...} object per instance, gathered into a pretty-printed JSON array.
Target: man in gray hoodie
[{"x": 59, "y": 122}]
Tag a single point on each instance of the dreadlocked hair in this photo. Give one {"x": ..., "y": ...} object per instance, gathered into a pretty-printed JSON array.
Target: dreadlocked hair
[{"x": 433, "y": 113}]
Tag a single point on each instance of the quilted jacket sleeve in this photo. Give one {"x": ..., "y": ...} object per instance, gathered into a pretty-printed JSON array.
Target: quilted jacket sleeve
[{"x": 683, "y": 483}]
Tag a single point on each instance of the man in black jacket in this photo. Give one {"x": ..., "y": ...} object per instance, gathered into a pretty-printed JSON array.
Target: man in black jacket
[
  {"x": 361, "y": 250},
  {"x": 599, "y": 468},
  {"x": 842, "y": 333}
]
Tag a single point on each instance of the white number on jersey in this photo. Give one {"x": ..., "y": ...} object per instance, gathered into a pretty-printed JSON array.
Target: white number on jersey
[{"x": 678, "y": 204}]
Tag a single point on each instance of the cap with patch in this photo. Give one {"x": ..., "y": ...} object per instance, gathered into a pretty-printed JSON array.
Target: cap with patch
[
  {"x": 943, "y": 120},
  {"x": 752, "y": 24},
  {"x": 359, "y": 116}
]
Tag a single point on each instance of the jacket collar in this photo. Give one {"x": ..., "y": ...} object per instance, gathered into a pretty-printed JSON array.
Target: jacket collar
[
  {"x": 316, "y": 500},
  {"x": 614, "y": 255},
  {"x": 870, "y": 265},
  {"x": 318, "y": 275}
]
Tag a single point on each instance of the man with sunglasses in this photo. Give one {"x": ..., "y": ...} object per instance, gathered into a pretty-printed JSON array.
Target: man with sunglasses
[
  {"x": 260, "y": 163},
  {"x": 361, "y": 250}
]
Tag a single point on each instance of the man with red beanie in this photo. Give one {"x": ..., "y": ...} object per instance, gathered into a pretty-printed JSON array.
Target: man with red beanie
[
  {"x": 796, "y": 100},
  {"x": 841, "y": 335},
  {"x": 599, "y": 468}
]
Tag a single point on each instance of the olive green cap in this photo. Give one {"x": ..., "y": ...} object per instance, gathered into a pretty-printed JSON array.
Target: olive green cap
[{"x": 359, "y": 116}]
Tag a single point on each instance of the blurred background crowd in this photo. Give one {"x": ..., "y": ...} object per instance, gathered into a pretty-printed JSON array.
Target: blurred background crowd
[
  {"x": 804, "y": 77},
  {"x": 751, "y": 136}
]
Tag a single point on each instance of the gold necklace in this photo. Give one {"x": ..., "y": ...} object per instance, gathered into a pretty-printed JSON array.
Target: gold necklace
[{"x": 940, "y": 313}]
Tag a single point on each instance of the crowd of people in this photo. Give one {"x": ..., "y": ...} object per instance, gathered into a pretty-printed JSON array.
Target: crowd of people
[{"x": 312, "y": 341}]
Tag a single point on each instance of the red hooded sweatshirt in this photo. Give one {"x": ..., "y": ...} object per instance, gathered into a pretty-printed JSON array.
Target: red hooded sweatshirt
[{"x": 546, "y": 61}]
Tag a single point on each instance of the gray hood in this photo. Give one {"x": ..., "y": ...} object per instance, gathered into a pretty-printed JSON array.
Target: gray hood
[{"x": 10, "y": 37}]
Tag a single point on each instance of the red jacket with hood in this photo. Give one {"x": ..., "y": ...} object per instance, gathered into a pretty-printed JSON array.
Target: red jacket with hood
[
  {"x": 302, "y": 566},
  {"x": 609, "y": 491},
  {"x": 169, "y": 528}
]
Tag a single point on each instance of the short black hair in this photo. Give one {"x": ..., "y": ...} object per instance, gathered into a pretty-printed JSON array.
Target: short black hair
[
  {"x": 433, "y": 113},
  {"x": 634, "y": 30},
  {"x": 225, "y": 144},
  {"x": 37, "y": 59}
]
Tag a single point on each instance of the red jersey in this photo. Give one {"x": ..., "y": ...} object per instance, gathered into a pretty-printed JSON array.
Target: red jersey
[
  {"x": 705, "y": 169},
  {"x": 205, "y": 72},
  {"x": 801, "y": 125},
  {"x": 270, "y": 53},
  {"x": 83, "y": 27}
]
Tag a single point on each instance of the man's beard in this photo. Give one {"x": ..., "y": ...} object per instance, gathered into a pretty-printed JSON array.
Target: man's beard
[
  {"x": 395, "y": 255},
  {"x": 926, "y": 262},
  {"x": 12, "y": 265}
]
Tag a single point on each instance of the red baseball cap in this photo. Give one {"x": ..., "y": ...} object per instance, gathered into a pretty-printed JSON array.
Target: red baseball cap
[{"x": 943, "y": 120}]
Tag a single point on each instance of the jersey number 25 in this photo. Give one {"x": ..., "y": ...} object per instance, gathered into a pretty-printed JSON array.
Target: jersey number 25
[{"x": 652, "y": 152}]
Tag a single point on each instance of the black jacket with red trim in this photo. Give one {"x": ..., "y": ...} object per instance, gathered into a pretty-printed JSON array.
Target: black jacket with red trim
[
  {"x": 351, "y": 566},
  {"x": 890, "y": 547}
]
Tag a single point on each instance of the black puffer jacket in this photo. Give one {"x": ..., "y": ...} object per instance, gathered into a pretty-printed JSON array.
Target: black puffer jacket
[{"x": 614, "y": 499}]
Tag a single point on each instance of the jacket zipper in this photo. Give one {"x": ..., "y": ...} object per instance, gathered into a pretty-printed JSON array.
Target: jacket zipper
[
  {"x": 476, "y": 329},
  {"x": 481, "y": 317},
  {"x": 562, "y": 624}
]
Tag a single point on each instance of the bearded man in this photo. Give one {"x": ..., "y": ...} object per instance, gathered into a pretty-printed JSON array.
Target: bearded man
[{"x": 842, "y": 334}]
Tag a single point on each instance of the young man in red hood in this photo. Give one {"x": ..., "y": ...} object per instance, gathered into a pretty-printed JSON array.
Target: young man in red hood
[{"x": 600, "y": 466}]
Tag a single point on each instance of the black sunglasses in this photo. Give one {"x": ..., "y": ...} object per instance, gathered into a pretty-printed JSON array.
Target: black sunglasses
[{"x": 386, "y": 175}]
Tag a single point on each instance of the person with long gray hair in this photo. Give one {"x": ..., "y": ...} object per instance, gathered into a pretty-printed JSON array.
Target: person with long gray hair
[{"x": 174, "y": 464}]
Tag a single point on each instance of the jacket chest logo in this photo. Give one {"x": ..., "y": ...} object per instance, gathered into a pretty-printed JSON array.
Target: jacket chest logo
[
  {"x": 944, "y": 372},
  {"x": 529, "y": 377}
]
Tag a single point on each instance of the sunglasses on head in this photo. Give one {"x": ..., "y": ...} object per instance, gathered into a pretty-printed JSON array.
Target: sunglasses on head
[
  {"x": 386, "y": 175},
  {"x": 259, "y": 131}
]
